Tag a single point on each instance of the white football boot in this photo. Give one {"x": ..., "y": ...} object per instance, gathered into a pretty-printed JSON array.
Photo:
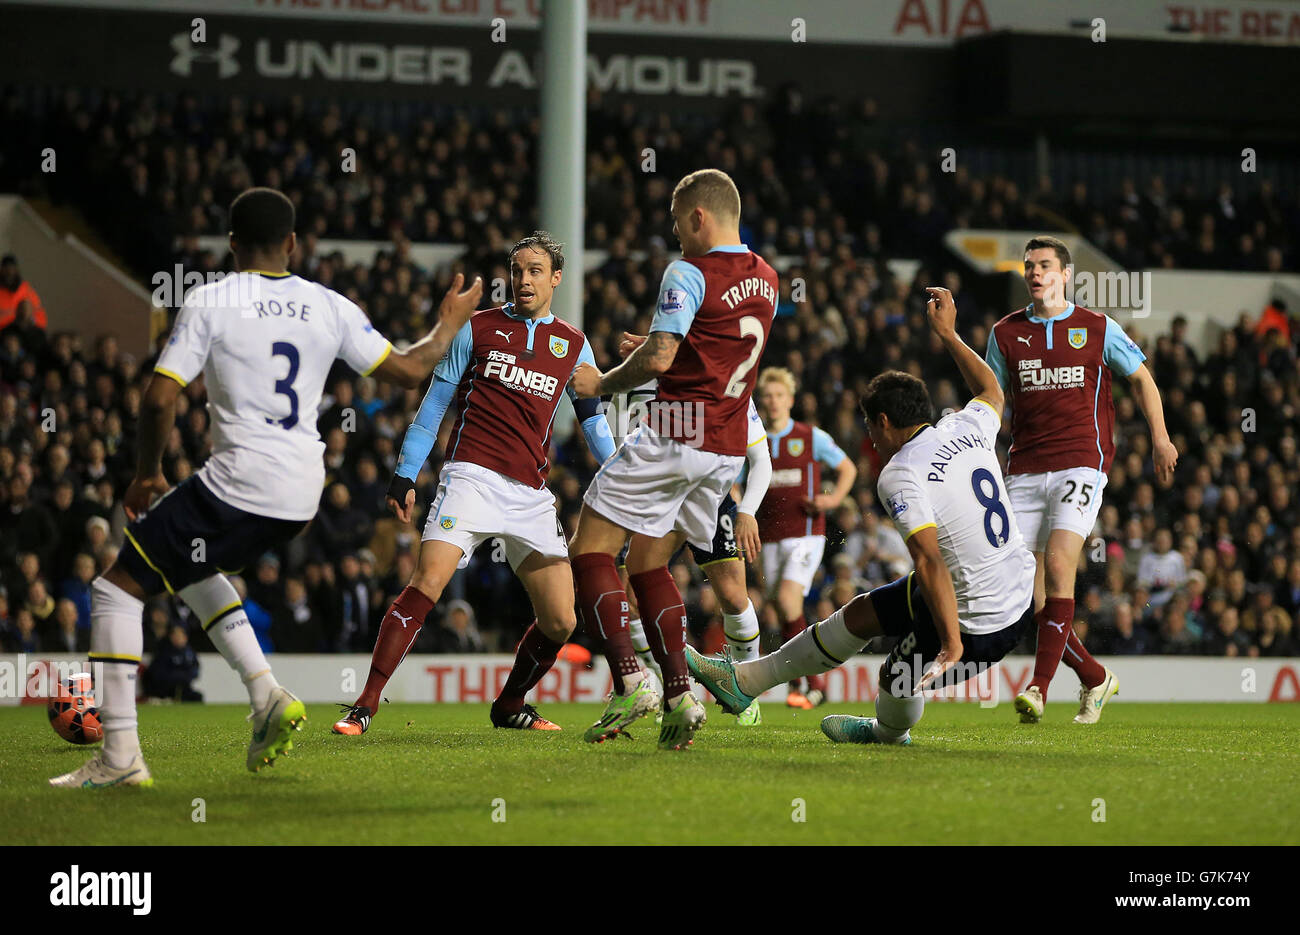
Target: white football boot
[
  {"x": 97, "y": 774},
  {"x": 1030, "y": 704},
  {"x": 1092, "y": 700}
]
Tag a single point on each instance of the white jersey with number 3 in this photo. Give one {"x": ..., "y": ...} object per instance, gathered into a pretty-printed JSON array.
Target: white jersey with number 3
[
  {"x": 947, "y": 476},
  {"x": 265, "y": 344}
]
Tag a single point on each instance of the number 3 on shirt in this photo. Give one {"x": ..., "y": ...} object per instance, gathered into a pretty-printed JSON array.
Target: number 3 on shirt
[
  {"x": 285, "y": 386},
  {"x": 750, "y": 327}
]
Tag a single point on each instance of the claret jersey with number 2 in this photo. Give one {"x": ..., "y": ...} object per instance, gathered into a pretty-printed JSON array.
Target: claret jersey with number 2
[
  {"x": 947, "y": 476},
  {"x": 721, "y": 306}
]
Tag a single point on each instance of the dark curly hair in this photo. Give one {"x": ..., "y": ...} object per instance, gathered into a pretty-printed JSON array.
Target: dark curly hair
[{"x": 898, "y": 395}]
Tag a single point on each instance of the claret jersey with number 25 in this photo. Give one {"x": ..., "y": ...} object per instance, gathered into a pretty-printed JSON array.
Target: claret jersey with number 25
[{"x": 947, "y": 476}]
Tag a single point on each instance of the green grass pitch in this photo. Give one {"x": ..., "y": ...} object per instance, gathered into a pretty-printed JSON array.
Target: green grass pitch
[{"x": 428, "y": 774}]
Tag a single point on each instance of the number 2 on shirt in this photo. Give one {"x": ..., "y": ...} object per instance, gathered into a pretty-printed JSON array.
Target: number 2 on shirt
[{"x": 750, "y": 327}]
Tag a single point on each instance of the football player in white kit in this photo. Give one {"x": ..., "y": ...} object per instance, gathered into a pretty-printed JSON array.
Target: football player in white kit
[
  {"x": 969, "y": 599},
  {"x": 264, "y": 341}
]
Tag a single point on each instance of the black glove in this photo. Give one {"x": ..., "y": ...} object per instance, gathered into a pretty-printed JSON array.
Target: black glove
[{"x": 398, "y": 488}]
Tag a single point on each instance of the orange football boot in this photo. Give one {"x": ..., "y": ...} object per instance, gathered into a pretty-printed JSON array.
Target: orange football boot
[
  {"x": 798, "y": 700},
  {"x": 355, "y": 723},
  {"x": 525, "y": 719}
]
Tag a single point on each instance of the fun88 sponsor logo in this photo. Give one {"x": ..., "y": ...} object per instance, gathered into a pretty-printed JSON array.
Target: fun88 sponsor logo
[
  {"x": 519, "y": 378},
  {"x": 1034, "y": 376}
]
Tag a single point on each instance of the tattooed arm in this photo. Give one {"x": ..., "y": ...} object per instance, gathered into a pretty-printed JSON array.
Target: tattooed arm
[{"x": 648, "y": 362}]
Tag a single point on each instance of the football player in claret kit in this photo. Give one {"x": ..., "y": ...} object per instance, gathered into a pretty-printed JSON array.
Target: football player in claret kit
[
  {"x": 735, "y": 542},
  {"x": 667, "y": 479},
  {"x": 792, "y": 519},
  {"x": 969, "y": 599},
  {"x": 507, "y": 370},
  {"x": 264, "y": 341},
  {"x": 1054, "y": 360}
]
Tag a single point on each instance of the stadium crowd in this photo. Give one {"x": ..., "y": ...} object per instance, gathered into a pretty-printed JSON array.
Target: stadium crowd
[{"x": 1208, "y": 564}]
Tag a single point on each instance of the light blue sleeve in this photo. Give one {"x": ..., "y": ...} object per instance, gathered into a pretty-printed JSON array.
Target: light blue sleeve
[
  {"x": 600, "y": 440},
  {"x": 452, "y": 367},
  {"x": 825, "y": 450},
  {"x": 680, "y": 295},
  {"x": 423, "y": 432},
  {"x": 993, "y": 357},
  {"x": 584, "y": 357},
  {"x": 1121, "y": 354}
]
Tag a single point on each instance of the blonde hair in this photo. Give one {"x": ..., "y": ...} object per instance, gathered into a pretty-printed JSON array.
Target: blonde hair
[
  {"x": 710, "y": 189},
  {"x": 778, "y": 375}
]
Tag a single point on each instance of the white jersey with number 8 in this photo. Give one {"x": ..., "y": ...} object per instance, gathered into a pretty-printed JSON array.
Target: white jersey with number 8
[
  {"x": 265, "y": 344},
  {"x": 947, "y": 476}
]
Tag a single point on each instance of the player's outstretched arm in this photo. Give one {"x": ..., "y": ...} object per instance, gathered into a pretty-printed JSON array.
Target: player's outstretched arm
[
  {"x": 1163, "y": 452},
  {"x": 410, "y": 367},
  {"x": 979, "y": 376},
  {"x": 649, "y": 361},
  {"x": 941, "y": 598},
  {"x": 157, "y": 417}
]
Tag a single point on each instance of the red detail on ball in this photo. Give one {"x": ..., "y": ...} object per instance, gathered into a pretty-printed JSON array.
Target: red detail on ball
[{"x": 72, "y": 711}]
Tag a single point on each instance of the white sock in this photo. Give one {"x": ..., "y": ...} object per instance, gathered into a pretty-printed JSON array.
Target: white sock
[
  {"x": 215, "y": 602},
  {"x": 116, "y": 642},
  {"x": 641, "y": 646},
  {"x": 819, "y": 648},
  {"x": 896, "y": 716},
  {"x": 741, "y": 631}
]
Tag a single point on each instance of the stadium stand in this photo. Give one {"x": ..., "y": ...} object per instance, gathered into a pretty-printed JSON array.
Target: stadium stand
[{"x": 1209, "y": 564}]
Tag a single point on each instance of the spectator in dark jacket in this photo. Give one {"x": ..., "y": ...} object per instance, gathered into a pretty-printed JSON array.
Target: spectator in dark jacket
[
  {"x": 340, "y": 527},
  {"x": 77, "y": 588},
  {"x": 458, "y": 632},
  {"x": 67, "y": 636},
  {"x": 296, "y": 627},
  {"x": 173, "y": 670},
  {"x": 1127, "y": 640},
  {"x": 1227, "y": 637}
]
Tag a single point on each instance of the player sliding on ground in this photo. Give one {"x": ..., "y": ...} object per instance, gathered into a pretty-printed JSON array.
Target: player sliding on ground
[
  {"x": 507, "y": 370},
  {"x": 264, "y": 341},
  {"x": 1054, "y": 360},
  {"x": 668, "y": 478},
  {"x": 969, "y": 599},
  {"x": 735, "y": 542}
]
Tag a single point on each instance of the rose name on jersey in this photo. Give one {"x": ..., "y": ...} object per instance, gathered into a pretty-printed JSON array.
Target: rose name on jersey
[
  {"x": 753, "y": 285},
  {"x": 1034, "y": 376},
  {"x": 503, "y": 367},
  {"x": 274, "y": 309},
  {"x": 949, "y": 450}
]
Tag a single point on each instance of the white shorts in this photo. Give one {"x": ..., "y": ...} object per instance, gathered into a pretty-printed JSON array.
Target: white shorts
[
  {"x": 653, "y": 485},
  {"x": 795, "y": 559},
  {"x": 475, "y": 503},
  {"x": 1069, "y": 500}
]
